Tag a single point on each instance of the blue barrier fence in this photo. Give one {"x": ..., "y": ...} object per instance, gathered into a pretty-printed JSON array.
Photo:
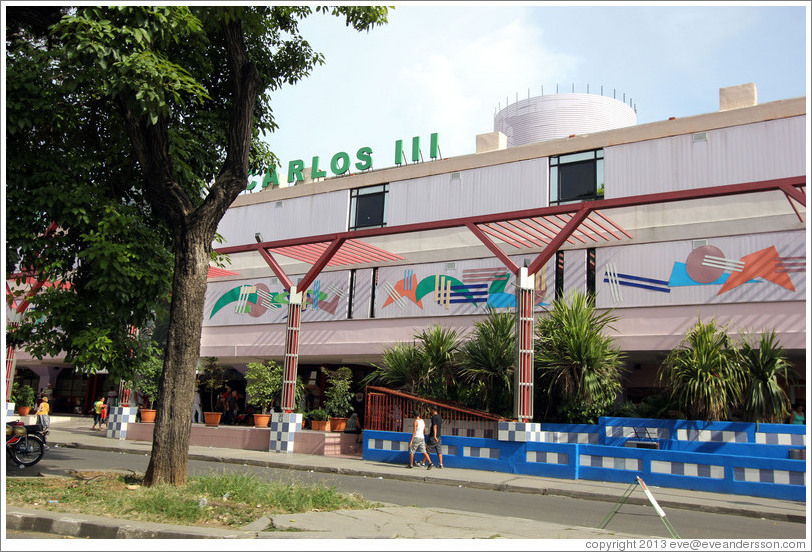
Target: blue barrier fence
[{"x": 724, "y": 457}]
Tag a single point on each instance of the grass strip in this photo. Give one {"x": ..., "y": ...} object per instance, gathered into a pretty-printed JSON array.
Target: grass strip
[{"x": 223, "y": 500}]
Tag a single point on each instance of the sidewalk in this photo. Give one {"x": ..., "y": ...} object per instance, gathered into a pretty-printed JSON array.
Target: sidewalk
[{"x": 389, "y": 521}]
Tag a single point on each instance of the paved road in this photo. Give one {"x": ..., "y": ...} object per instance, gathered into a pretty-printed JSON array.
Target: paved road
[{"x": 633, "y": 519}]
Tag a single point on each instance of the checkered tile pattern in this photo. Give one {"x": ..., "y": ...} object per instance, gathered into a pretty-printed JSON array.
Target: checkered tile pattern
[
  {"x": 691, "y": 470},
  {"x": 780, "y": 477},
  {"x": 284, "y": 427},
  {"x": 709, "y": 435},
  {"x": 470, "y": 432},
  {"x": 481, "y": 452},
  {"x": 520, "y": 432},
  {"x": 386, "y": 444},
  {"x": 611, "y": 462},
  {"x": 793, "y": 439},
  {"x": 117, "y": 420},
  {"x": 542, "y": 457},
  {"x": 10, "y": 409},
  {"x": 638, "y": 432},
  {"x": 403, "y": 446},
  {"x": 570, "y": 437},
  {"x": 460, "y": 428}
]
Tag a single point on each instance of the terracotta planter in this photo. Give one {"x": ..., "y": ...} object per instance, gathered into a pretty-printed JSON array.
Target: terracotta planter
[
  {"x": 148, "y": 416},
  {"x": 261, "y": 420},
  {"x": 212, "y": 418},
  {"x": 320, "y": 425},
  {"x": 337, "y": 424},
  {"x": 23, "y": 410}
]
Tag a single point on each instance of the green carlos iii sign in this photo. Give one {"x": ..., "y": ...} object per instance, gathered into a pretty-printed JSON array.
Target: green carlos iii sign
[{"x": 339, "y": 164}]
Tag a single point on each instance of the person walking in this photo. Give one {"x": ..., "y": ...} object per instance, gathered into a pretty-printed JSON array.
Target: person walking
[
  {"x": 418, "y": 442},
  {"x": 97, "y": 412},
  {"x": 197, "y": 412},
  {"x": 434, "y": 441},
  {"x": 43, "y": 413}
]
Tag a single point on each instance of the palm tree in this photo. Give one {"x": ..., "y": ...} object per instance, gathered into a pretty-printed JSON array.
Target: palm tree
[
  {"x": 703, "y": 373},
  {"x": 487, "y": 359},
  {"x": 440, "y": 346},
  {"x": 404, "y": 367},
  {"x": 578, "y": 368},
  {"x": 764, "y": 365},
  {"x": 426, "y": 367}
]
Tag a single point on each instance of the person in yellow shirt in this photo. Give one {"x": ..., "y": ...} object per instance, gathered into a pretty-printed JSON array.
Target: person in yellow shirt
[
  {"x": 97, "y": 409},
  {"x": 44, "y": 413}
]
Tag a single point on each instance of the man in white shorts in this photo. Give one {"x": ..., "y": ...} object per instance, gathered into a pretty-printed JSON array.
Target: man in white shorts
[{"x": 418, "y": 441}]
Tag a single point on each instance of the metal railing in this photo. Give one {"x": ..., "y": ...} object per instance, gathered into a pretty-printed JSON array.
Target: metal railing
[{"x": 390, "y": 410}]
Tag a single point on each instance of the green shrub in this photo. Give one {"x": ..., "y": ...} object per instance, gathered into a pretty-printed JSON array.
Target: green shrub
[{"x": 23, "y": 395}]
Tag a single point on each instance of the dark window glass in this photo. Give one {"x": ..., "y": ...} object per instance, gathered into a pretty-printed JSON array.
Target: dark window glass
[
  {"x": 576, "y": 177},
  {"x": 369, "y": 210},
  {"x": 374, "y": 289},
  {"x": 368, "y": 207},
  {"x": 559, "y": 274},
  {"x": 351, "y": 294},
  {"x": 590, "y": 270},
  {"x": 577, "y": 181}
]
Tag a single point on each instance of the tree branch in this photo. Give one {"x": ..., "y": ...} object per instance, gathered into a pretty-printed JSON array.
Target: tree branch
[
  {"x": 246, "y": 84},
  {"x": 151, "y": 146}
]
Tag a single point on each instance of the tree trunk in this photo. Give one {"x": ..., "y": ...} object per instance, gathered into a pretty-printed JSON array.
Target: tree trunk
[
  {"x": 193, "y": 231},
  {"x": 173, "y": 422}
]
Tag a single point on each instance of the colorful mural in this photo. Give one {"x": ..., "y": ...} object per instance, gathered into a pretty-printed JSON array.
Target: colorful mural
[
  {"x": 256, "y": 299},
  {"x": 707, "y": 265},
  {"x": 482, "y": 287},
  {"x": 756, "y": 268}
]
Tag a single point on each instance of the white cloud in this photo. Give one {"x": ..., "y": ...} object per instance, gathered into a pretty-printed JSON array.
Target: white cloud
[{"x": 479, "y": 67}]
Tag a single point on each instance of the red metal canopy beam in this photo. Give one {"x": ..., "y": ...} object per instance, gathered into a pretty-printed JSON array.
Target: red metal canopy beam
[
  {"x": 565, "y": 233},
  {"x": 275, "y": 267},
  {"x": 787, "y": 185},
  {"x": 314, "y": 271},
  {"x": 486, "y": 241},
  {"x": 794, "y": 193}
]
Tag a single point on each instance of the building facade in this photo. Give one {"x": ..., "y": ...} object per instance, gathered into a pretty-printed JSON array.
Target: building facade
[
  {"x": 689, "y": 219},
  {"x": 417, "y": 258}
]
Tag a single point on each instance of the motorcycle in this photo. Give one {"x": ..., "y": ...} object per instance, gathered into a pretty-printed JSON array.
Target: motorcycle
[{"x": 25, "y": 444}]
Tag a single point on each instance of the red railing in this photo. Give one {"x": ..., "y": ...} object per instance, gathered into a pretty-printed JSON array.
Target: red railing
[{"x": 390, "y": 410}]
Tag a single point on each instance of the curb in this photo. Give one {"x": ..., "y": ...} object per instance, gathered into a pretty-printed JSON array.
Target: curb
[
  {"x": 93, "y": 527},
  {"x": 83, "y": 526},
  {"x": 639, "y": 501}
]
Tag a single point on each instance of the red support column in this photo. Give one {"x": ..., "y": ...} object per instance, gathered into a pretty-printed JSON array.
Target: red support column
[
  {"x": 11, "y": 365},
  {"x": 292, "y": 351},
  {"x": 523, "y": 373}
]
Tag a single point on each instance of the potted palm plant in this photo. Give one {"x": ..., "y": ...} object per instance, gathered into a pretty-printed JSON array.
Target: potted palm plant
[
  {"x": 23, "y": 396},
  {"x": 338, "y": 397},
  {"x": 263, "y": 383}
]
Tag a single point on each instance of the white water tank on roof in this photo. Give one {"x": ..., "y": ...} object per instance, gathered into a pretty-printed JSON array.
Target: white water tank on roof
[{"x": 553, "y": 116}]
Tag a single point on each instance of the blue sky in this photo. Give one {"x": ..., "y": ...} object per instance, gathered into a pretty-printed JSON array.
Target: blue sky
[{"x": 447, "y": 67}]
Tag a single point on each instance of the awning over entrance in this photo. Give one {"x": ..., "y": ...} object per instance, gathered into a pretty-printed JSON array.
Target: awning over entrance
[{"x": 541, "y": 230}]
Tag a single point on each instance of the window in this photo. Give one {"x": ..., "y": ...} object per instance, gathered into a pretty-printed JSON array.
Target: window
[
  {"x": 559, "y": 274},
  {"x": 590, "y": 271},
  {"x": 576, "y": 177},
  {"x": 351, "y": 296},
  {"x": 368, "y": 207},
  {"x": 374, "y": 288}
]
